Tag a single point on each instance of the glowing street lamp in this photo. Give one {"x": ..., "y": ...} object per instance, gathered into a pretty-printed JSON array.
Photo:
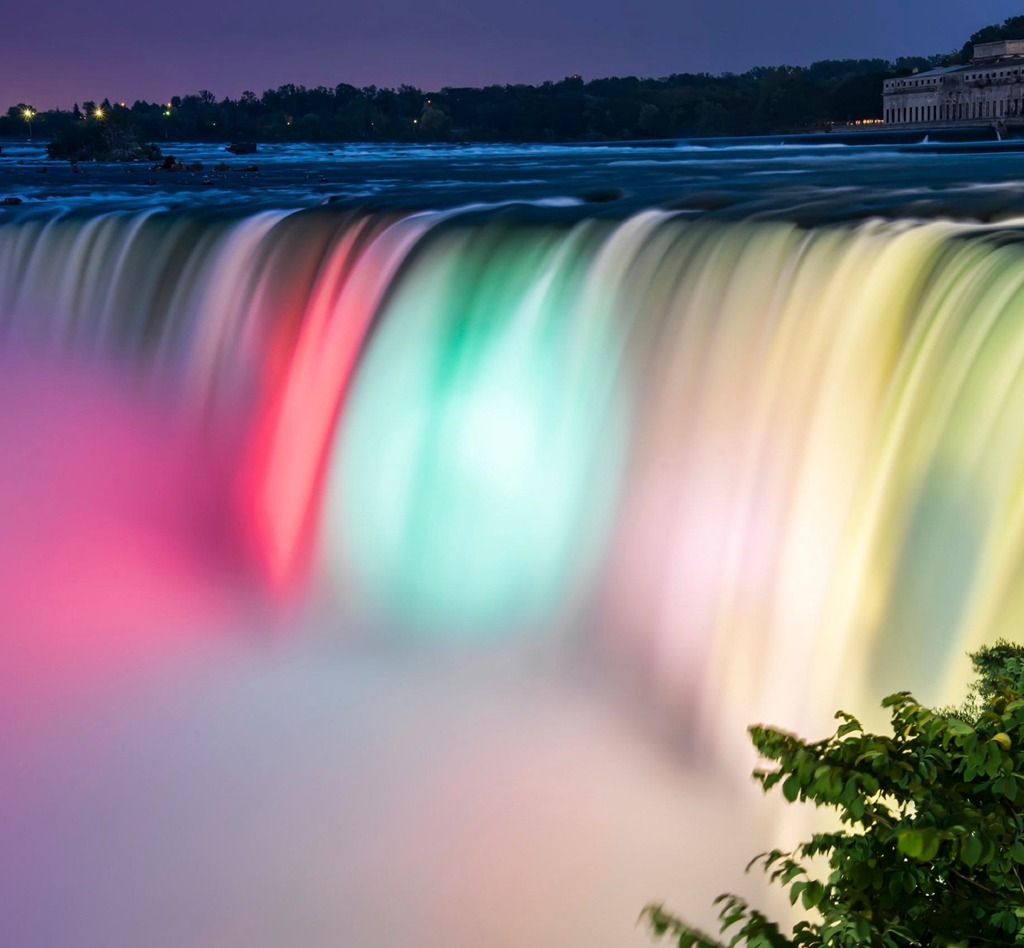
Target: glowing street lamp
[
  {"x": 98, "y": 113},
  {"x": 28, "y": 115}
]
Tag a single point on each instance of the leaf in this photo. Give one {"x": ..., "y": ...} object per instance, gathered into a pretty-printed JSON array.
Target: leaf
[
  {"x": 791, "y": 788},
  {"x": 813, "y": 894},
  {"x": 911, "y": 842},
  {"x": 970, "y": 851},
  {"x": 1003, "y": 740},
  {"x": 930, "y": 849}
]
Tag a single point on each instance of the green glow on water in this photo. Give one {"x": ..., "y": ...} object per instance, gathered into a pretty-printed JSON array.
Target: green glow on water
[{"x": 481, "y": 444}]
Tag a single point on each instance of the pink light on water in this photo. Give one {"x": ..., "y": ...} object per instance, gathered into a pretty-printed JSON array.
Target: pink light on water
[
  {"x": 118, "y": 534},
  {"x": 294, "y": 431}
]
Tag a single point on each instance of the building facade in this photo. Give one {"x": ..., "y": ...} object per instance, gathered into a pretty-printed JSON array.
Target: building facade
[{"x": 988, "y": 91}]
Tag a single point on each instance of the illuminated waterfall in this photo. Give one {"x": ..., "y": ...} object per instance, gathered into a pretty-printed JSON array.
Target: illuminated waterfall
[{"x": 735, "y": 458}]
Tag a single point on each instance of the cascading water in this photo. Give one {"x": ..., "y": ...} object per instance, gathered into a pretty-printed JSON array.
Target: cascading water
[
  {"x": 749, "y": 471},
  {"x": 781, "y": 448}
]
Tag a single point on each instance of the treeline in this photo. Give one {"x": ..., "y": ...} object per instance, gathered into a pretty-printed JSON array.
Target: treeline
[
  {"x": 760, "y": 101},
  {"x": 763, "y": 100}
]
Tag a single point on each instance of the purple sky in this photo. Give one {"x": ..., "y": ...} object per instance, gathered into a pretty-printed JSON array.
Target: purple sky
[{"x": 54, "y": 52}]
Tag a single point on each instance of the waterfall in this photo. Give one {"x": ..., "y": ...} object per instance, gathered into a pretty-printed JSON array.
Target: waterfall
[{"x": 741, "y": 465}]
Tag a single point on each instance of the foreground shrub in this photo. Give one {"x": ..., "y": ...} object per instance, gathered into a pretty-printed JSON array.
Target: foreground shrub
[{"x": 932, "y": 848}]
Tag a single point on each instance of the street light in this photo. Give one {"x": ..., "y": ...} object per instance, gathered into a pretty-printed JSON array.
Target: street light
[
  {"x": 98, "y": 113},
  {"x": 28, "y": 115}
]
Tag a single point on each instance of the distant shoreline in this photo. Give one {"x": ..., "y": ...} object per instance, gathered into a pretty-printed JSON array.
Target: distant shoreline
[{"x": 863, "y": 135}]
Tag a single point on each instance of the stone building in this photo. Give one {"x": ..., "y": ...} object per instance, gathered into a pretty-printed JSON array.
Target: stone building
[{"x": 988, "y": 91}]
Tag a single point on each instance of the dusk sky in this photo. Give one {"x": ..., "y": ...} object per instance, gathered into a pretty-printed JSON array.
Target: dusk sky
[{"x": 55, "y": 52}]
